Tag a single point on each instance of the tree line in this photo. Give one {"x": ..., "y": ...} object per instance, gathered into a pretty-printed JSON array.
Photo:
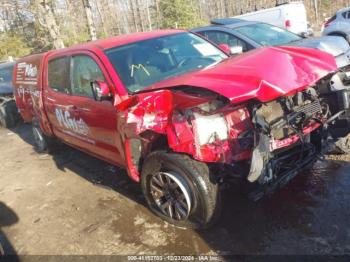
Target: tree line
[{"x": 32, "y": 26}]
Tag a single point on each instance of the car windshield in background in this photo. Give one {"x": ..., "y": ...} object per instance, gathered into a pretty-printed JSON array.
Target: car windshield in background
[
  {"x": 144, "y": 63},
  {"x": 267, "y": 35}
]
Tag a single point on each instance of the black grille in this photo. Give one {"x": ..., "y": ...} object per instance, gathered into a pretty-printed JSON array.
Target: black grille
[{"x": 309, "y": 108}]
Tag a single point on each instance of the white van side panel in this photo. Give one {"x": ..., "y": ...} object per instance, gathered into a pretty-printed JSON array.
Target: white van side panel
[
  {"x": 271, "y": 16},
  {"x": 294, "y": 12},
  {"x": 297, "y": 16}
]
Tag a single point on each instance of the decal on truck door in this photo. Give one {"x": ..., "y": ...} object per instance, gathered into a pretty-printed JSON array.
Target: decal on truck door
[
  {"x": 65, "y": 120},
  {"x": 27, "y": 74}
]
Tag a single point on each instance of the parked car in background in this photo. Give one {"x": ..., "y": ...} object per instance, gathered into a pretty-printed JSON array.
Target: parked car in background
[
  {"x": 339, "y": 24},
  {"x": 242, "y": 36},
  {"x": 291, "y": 16},
  {"x": 9, "y": 115},
  {"x": 180, "y": 114}
]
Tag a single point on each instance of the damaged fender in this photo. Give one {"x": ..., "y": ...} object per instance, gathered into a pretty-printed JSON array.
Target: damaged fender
[{"x": 188, "y": 128}]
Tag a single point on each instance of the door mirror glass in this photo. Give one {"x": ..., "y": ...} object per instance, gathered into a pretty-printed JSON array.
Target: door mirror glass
[
  {"x": 236, "y": 50},
  {"x": 101, "y": 91}
]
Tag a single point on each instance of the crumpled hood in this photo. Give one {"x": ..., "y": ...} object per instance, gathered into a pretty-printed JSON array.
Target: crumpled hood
[
  {"x": 263, "y": 74},
  {"x": 334, "y": 45}
]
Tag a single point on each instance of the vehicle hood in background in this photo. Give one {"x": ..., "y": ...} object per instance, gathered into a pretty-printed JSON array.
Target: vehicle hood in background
[
  {"x": 263, "y": 74},
  {"x": 334, "y": 45}
]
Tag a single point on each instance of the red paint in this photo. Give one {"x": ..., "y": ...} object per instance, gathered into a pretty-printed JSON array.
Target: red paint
[
  {"x": 277, "y": 144},
  {"x": 263, "y": 74}
]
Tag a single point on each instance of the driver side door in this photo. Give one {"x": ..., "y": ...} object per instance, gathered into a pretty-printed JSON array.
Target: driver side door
[{"x": 96, "y": 120}]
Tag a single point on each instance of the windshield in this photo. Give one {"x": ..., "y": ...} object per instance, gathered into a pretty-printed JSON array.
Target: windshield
[
  {"x": 146, "y": 62},
  {"x": 267, "y": 35}
]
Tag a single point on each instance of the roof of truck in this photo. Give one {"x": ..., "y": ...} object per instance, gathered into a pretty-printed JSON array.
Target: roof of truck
[{"x": 126, "y": 39}]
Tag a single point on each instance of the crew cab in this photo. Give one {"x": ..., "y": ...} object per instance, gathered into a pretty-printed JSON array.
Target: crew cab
[{"x": 180, "y": 115}]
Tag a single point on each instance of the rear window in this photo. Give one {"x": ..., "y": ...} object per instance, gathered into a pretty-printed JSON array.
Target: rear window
[{"x": 58, "y": 75}]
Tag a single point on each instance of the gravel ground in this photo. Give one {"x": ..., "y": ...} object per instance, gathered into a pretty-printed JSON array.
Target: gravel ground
[{"x": 70, "y": 203}]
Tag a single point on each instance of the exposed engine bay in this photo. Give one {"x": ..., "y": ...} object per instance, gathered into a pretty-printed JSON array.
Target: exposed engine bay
[{"x": 289, "y": 134}]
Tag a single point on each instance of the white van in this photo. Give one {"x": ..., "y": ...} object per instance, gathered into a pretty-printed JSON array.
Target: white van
[{"x": 291, "y": 16}]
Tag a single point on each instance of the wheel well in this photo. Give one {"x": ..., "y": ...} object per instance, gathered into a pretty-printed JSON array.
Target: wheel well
[
  {"x": 159, "y": 143},
  {"x": 147, "y": 143},
  {"x": 338, "y": 34}
]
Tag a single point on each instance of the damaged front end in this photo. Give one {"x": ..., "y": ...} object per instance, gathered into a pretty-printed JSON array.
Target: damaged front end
[
  {"x": 276, "y": 139},
  {"x": 290, "y": 134},
  {"x": 244, "y": 121}
]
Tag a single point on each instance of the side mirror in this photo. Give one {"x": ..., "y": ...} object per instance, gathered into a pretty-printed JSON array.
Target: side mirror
[
  {"x": 101, "y": 91},
  {"x": 225, "y": 48},
  {"x": 236, "y": 50}
]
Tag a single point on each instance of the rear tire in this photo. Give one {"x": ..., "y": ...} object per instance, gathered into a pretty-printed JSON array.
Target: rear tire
[
  {"x": 8, "y": 114},
  {"x": 180, "y": 190},
  {"x": 42, "y": 143}
]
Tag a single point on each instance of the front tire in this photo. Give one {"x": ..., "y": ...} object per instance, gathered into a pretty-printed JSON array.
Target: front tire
[
  {"x": 180, "y": 190},
  {"x": 42, "y": 143}
]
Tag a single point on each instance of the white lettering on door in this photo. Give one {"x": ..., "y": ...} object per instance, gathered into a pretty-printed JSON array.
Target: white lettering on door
[{"x": 76, "y": 125}]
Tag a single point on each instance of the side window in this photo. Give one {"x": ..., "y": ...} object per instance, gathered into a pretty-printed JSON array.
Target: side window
[
  {"x": 85, "y": 71},
  {"x": 346, "y": 14},
  {"x": 58, "y": 74},
  {"x": 219, "y": 37}
]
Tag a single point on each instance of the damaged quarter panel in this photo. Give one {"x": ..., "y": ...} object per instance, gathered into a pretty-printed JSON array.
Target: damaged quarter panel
[{"x": 201, "y": 126}]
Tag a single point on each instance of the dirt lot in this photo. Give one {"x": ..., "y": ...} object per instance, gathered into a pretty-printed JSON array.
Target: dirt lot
[{"x": 70, "y": 203}]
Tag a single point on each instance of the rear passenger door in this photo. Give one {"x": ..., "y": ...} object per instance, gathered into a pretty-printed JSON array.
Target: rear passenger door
[{"x": 58, "y": 101}]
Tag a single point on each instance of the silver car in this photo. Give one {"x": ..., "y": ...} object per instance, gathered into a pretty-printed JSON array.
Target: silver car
[{"x": 339, "y": 24}]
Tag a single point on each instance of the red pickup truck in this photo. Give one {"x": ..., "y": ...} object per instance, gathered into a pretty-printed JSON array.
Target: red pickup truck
[{"x": 180, "y": 115}]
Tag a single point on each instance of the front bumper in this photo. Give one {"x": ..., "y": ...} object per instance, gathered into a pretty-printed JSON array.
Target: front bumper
[{"x": 305, "y": 156}]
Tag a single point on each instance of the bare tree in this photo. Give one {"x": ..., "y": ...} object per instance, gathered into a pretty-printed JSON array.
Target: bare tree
[
  {"x": 89, "y": 19},
  {"x": 46, "y": 18}
]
